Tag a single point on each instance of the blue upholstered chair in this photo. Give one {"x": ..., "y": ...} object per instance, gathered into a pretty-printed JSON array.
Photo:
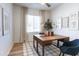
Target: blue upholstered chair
[{"x": 71, "y": 48}]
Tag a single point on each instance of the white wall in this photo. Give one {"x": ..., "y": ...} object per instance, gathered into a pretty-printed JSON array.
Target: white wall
[
  {"x": 6, "y": 41},
  {"x": 62, "y": 11},
  {"x": 47, "y": 15}
]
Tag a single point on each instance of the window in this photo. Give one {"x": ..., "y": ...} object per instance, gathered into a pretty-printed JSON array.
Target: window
[{"x": 33, "y": 23}]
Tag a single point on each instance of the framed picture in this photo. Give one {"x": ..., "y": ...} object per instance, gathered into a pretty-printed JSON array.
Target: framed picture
[
  {"x": 65, "y": 22},
  {"x": 58, "y": 23},
  {"x": 54, "y": 23},
  {"x": 73, "y": 21},
  {"x": 0, "y": 21},
  {"x": 5, "y": 23}
]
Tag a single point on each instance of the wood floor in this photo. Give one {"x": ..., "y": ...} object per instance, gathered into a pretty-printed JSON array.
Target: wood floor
[
  {"x": 17, "y": 50},
  {"x": 26, "y": 49}
]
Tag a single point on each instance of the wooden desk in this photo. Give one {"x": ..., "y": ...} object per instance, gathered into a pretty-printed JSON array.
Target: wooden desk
[{"x": 46, "y": 40}]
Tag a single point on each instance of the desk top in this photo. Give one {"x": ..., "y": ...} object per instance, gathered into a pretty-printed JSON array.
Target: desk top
[{"x": 50, "y": 38}]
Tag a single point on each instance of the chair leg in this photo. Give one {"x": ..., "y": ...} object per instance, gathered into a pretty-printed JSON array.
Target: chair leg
[
  {"x": 63, "y": 54},
  {"x": 57, "y": 43},
  {"x": 60, "y": 54},
  {"x": 73, "y": 55}
]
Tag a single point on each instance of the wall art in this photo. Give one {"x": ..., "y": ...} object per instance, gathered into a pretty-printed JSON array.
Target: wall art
[
  {"x": 73, "y": 21},
  {"x": 65, "y": 22},
  {"x": 0, "y": 21},
  {"x": 5, "y": 22}
]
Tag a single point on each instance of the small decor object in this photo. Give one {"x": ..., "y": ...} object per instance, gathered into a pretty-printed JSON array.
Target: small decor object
[
  {"x": 52, "y": 33},
  {"x": 0, "y": 21},
  {"x": 48, "y": 26}
]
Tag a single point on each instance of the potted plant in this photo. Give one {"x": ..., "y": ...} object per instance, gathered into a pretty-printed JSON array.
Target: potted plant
[{"x": 48, "y": 26}]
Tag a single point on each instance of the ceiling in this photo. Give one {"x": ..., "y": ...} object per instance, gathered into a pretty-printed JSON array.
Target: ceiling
[{"x": 39, "y": 5}]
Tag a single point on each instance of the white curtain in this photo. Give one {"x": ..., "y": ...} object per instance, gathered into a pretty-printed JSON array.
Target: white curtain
[
  {"x": 42, "y": 20},
  {"x": 20, "y": 21},
  {"x": 33, "y": 21},
  {"x": 19, "y": 14},
  {"x": 22, "y": 24}
]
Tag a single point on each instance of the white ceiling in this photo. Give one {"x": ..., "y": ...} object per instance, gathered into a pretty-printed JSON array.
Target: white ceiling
[{"x": 39, "y": 6}]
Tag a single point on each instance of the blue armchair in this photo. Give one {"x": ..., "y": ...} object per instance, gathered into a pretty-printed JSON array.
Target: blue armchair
[{"x": 70, "y": 47}]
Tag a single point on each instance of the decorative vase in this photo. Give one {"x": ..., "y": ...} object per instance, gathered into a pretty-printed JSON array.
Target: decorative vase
[
  {"x": 48, "y": 33},
  {"x": 52, "y": 33}
]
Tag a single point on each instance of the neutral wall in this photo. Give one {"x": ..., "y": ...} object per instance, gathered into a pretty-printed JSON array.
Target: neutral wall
[
  {"x": 47, "y": 15},
  {"x": 6, "y": 41},
  {"x": 62, "y": 11}
]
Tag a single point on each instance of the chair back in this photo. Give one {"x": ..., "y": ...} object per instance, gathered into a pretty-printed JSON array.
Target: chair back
[
  {"x": 71, "y": 47},
  {"x": 75, "y": 42}
]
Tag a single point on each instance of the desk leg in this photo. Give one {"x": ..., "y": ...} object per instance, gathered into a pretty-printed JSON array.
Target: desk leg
[
  {"x": 33, "y": 43},
  {"x": 37, "y": 46},
  {"x": 43, "y": 50},
  {"x": 57, "y": 43}
]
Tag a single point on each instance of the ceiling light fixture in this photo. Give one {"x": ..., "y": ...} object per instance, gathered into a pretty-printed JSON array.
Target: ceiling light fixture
[{"x": 47, "y": 4}]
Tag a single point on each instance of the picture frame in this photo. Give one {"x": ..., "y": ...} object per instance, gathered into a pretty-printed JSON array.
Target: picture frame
[
  {"x": 65, "y": 22},
  {"x": 58, "y": 23},
  {"x": 0, "y": 21},
  {"x": 5, "y": 23},
  {"x": 74, "y": 21}
]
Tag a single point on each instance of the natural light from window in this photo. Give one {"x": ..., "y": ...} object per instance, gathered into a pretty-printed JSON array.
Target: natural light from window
[{"x": 33, "y": 23}]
